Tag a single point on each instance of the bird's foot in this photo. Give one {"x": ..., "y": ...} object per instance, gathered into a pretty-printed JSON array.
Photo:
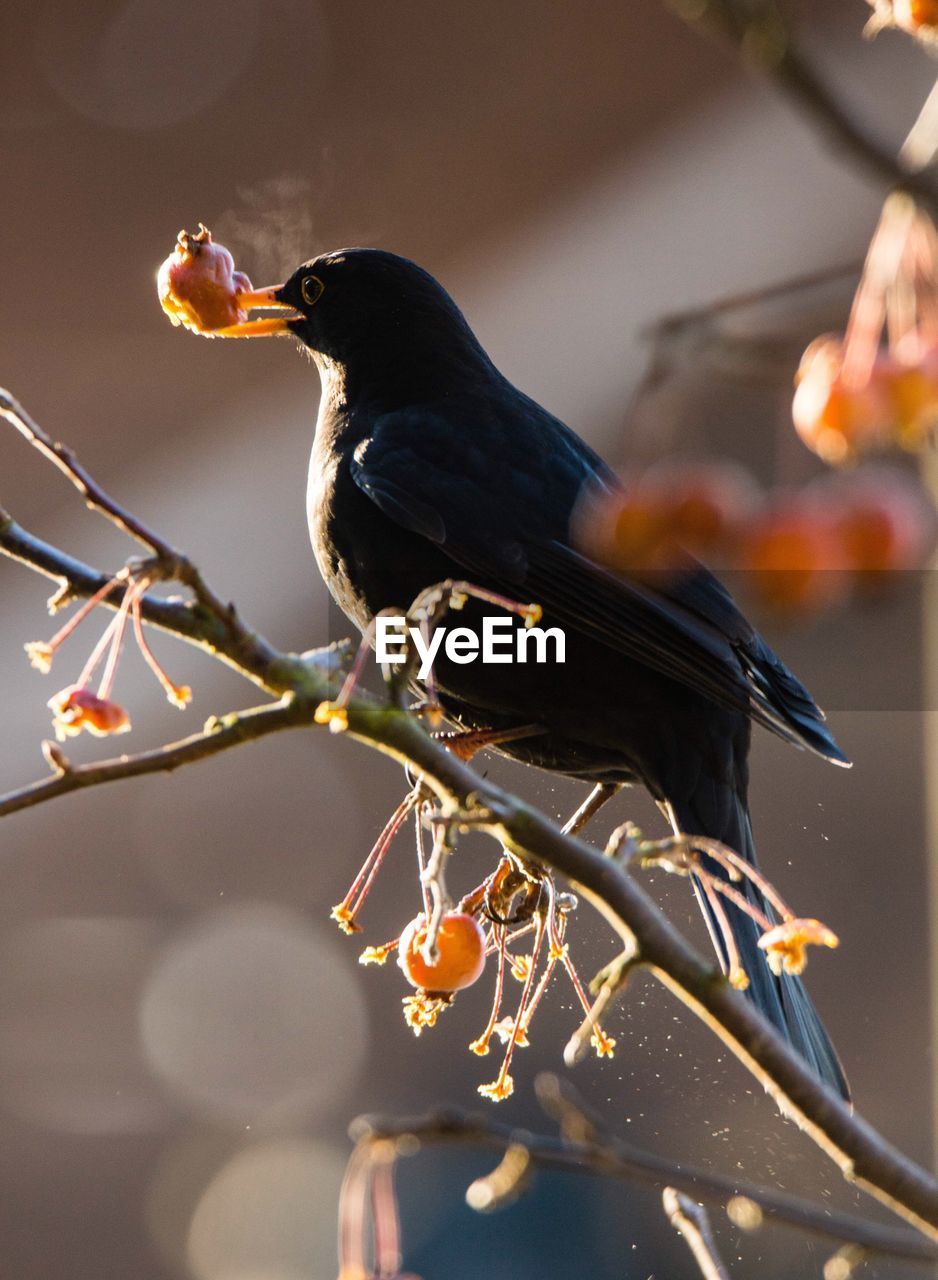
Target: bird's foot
[{"x": 465, "y": 743}]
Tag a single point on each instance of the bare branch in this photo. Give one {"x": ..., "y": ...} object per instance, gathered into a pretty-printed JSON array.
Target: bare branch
[
  {"x": 692, "y": 1223},
  {"x": 863, "y": 1155},
  {"x": 677, "y": 323},
  {"x": 597, "y": 1155},
  {"x": 219, "y": 734},
  {"x": 760, "y": 34},
  {"x": 64, "y": 459},
  {"x": 173, "y": 563},
  {"x": 220, "y": 634}
]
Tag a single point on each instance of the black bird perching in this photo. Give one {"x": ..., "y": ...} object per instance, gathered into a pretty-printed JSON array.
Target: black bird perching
[{"x": 429, "y": 465}]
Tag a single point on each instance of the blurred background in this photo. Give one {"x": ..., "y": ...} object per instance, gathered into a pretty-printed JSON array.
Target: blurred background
[{"x": 183, "y": 1034}]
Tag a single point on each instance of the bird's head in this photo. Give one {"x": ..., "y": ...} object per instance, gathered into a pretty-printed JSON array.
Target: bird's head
[{"x": 374, "y": 314}]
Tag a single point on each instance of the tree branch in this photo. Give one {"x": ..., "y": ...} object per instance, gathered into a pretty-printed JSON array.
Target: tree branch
[
  {"x": 218, "y": 632},
  {"x": 693, "y": 1225},
  {"x": 219, "y": 734},
  {"x": 173, "y": 563},
  {"x": 601, "y": 1155},
  {"x": 759, "y": 33}
]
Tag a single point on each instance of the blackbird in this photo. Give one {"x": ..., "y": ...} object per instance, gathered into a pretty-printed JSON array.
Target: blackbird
[{"x": 427, "y": 465}]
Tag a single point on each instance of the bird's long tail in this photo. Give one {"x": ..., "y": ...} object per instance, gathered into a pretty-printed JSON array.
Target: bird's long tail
[{"x": 782, "y": 1000}]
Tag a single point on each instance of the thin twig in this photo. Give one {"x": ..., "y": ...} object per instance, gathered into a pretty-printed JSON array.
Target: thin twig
[
  {"x": 758, "y": 31},
  {"x": 172, "y": 562},
  {"x": 611, "y": 982},
  {"x": 678, "y": 321},
  {"x": 219, "y": 734},
  {"x": 223, "y": 637},
  {"x": 608, "y": 1157},
  {"x": 64, "y": 459},
  {"x": 692, "y": 1224}
]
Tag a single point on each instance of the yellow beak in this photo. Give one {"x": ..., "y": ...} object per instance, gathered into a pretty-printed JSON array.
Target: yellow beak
[{"x": 268, "y": 326}]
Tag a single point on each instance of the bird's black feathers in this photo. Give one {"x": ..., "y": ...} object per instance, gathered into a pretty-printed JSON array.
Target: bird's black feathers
[{"x": 500, "y": 522}]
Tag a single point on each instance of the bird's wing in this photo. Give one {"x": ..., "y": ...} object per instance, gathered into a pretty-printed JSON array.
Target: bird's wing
[
  {"x": 481, "y": 492},
  {"x": 507, "y": 525},
  {"x": 687, "y": 627}
]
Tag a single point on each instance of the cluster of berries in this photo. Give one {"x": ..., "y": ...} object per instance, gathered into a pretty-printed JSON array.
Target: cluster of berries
[
  {"x": 447, "y": 946},
  {"x": 78, "y": 707},
  {"x": 876, "y": 386},
  {"x": 794, "y": 552}
]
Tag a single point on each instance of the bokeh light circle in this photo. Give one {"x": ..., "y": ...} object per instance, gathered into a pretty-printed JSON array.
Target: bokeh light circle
[
  {"x": 269, "y": 1214},
  {"x": 147, "y": 64},
  {"x": 254, "y": 1017}
]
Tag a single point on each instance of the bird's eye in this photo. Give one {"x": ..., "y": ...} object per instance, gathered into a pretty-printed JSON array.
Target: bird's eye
[{"x": 312, "y": 289}]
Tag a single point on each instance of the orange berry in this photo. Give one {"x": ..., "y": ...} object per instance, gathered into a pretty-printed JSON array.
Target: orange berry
[
  {"x": 198, "y": 286},
  {"x": 912, "y": 15},
  {"x": 704, "y": 503},
  {"x": 792, "y": 554},
  {"x": 912, "y": 391},
  {"x": 886, "y": 521},
  {"x": 639, "y": 536},
  {"x": 677, "y": 507},
  {"x": 897, "y": 404},
  {"x": 834, "y": 419},
  {"x": 76, "y": 708},
  {"x": 461, "y": 958}
]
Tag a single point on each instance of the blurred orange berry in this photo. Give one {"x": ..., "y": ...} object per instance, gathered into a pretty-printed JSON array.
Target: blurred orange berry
[
  {"x": 835, "y": 420},
  {"x": 913, "y": 15},
  {"x": 76, "y": 708},
  {"x": 460, "y": 959},
  {"x": 677, "y": 507},
  {"x": 637, "y": 536},
  {"x": 886, "y": 521},
  {"x": 794, "y": 558},
  {"x": 912, "y": 390},
  {"x": 897, "y": 404},
  {"x": 705, "y": 503}
]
